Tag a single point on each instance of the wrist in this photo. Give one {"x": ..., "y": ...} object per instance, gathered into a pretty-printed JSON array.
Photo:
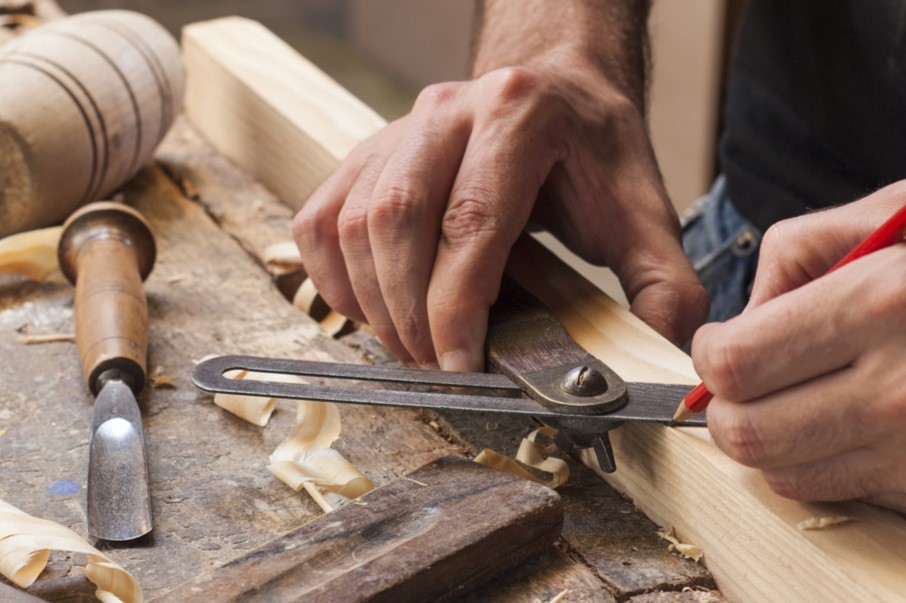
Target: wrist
[{"x": 583, "y": 40}]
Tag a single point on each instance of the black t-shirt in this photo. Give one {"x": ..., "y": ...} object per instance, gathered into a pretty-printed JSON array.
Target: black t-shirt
[{"x": 816, "y": 113}]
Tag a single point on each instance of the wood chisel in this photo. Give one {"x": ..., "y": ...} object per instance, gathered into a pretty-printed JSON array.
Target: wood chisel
[
  {"x": 543, "y": 373},
  {"x": 107, "y": 250}
]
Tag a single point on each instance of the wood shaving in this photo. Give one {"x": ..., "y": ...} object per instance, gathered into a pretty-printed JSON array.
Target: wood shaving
[
  {"x": 49, "y": 338},
  {"x": 32, "y": 254},
  {"x": 282, "y": 258},
  {"x": 532, "y": 453},
  {"x": 159, "y": 379},
  {"x": 254, "y": 409},
  {"x": 305, "y": 459},
  {"x": 309, "y": 301},
  {"x": 561, "y": 596},
  {"x": 176, "y": 278},
  {"x": 689, "y": 551},
  {"x": 25, "y": 546},
  {"x": 823, "y": 523}
]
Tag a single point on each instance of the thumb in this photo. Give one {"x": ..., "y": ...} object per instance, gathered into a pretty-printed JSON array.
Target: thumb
[
  {"x": 799, "y": 250},
  {"x": 665, "y": 292}
]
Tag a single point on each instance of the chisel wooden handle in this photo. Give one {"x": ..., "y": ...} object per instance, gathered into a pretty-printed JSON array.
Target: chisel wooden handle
[
  {"x": 84, "y": 101},
  {"x": 107, "y": 250}
]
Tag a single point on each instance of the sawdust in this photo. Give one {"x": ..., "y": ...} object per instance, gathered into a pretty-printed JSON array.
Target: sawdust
[
  {"x": 159, "y": 379},
  {"x": 48, "y": 338},
  {"x": 533, "y": 461},
  {"x": 823, "y": 523},
  {"x": 689, "y": 551}
]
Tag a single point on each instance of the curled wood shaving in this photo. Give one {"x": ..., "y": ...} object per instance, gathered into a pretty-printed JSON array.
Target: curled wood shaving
[
  {"x": 823, "y": 523},
  {"x": 25, "y": 546},
  {"x": 689, "y": 551},
  {"x": 282, "y": 258},
  {"x": 254, "y": 409},
  {"x": 158, "y": 378},
  {"x": 305, "y": 459},
  {"x": 533, "y": 452},
  {"x": 308, "y": 299},
  {"x": 32, "y": 254}
]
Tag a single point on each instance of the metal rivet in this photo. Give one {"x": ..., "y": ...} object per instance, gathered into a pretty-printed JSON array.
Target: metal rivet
[{"x": 584, "y": 381}]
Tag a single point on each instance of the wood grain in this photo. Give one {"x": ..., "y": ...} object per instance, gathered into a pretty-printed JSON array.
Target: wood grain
[
  {"x": 308, "y": 123},
  {"x": 94, "y": 95},
  {"x": 106, "y": 251},
  {"x": 431, "y": 536},
  {"x": 678, "y": 477}
]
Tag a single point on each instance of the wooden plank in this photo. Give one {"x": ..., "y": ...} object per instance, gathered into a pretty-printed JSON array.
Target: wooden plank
[
  {"x": 298, "y": 143},
  {"x": 678, "y": 477},
  {"x": 429, "y": 536}
]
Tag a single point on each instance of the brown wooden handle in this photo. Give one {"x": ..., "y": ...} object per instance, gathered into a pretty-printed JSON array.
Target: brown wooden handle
[
  {"x": 107, "y": 250},
  {"x": 525, "y": 336}
]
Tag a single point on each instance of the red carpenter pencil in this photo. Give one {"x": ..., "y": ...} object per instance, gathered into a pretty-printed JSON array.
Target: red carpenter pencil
[{"x": 889, "y": 233}]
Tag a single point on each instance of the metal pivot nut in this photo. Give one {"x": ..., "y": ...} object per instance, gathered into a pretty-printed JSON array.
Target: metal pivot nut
[{"x": 584, "y": 381}]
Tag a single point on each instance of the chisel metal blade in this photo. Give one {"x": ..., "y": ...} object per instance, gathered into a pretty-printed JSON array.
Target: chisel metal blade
[{"x": 119, "y": 500}]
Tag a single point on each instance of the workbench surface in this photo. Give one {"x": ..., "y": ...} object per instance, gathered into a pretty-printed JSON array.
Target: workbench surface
[{"x": 213, "y": 497}]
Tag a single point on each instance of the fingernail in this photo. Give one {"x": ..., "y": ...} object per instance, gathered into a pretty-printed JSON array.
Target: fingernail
[{"x": 458, "y": 361}]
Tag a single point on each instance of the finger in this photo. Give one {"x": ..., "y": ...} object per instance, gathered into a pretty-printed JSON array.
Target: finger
[
  {"x": 799, "y": 250},
  {"x": 819, "y": 419},
  {"x": 317, "y": 237},
  {"x": 504, "y": 165},
  {"x": 357, "y": 254},
  {"x": 641, "y": 245},
  {"x": 405, "y": 213},
  {"x": 863, "y": 473},
  {"x": 789, "y": 340}
]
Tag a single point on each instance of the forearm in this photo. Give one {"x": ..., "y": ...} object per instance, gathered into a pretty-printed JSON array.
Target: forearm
[{"x": 610, "y": 35}]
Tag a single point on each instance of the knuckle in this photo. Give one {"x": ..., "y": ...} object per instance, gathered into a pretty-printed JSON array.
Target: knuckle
[
  {"x": 392, "y": 204},
  {"x": 352, "y": 223},
  {"x": 469, "y": 217},
  {"x": 737, "y": 437},
  {"x": 786, "y": 485},
  {"x": 777, "y": 235},
  {"x": 436, "y": 95},
  {"x": 312, "y": 228},
  {"x": 413, "y": 332},
  {"x": 888, "y": 409},
  {"x": 510, "y": 85},
  {"x": 305, "y": 226},
  {"x": 724, "y": 361}
]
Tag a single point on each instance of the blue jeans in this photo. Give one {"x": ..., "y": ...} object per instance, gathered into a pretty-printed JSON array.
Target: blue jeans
[{"x": 723, "y": 248}]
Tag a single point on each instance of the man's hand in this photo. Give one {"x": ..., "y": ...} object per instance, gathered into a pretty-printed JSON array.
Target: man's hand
[
  {"x": 810, "y": 382},
  {"x": 412, "y": 232}
]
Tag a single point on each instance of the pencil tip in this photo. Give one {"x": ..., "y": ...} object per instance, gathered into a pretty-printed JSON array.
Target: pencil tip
[{"x": 682, "y": 413}]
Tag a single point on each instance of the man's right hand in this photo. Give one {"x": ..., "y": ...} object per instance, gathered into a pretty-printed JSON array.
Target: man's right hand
[{"x": 412, "y": 232}]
